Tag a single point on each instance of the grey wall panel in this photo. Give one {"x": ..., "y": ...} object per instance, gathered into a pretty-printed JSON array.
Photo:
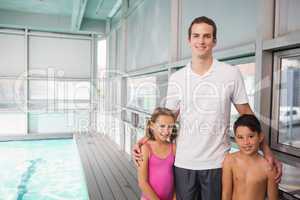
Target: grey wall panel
[
  {"x": 235, "y": 19},
  {"x": 148, "y": 34},
  {"x": 12, "y": 56},
  {"x": 112, "y": 50},
  {"x": 119, "y": 47},
  {"x": 71, "y": 56},
  {"x": 288, "y": 15}
]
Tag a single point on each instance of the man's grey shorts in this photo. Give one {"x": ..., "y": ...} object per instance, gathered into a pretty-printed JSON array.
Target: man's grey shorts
[{"x": 198, "y": 184}]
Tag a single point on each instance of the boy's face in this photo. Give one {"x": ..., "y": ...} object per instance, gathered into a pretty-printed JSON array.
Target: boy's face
[
  {"x": 201, "y": 40},
  {"x": 247, "y": 140}
]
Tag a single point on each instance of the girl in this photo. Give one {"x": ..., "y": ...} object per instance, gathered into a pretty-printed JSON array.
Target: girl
[{"x": 155, "y": 173}]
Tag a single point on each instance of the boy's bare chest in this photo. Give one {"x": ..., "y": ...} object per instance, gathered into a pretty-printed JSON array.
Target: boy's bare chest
[{"x": 249, "y": 175}]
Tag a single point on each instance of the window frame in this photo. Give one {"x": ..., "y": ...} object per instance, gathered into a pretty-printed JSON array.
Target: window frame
[
  {"x": 238, "y": 61},
  {"x": 278, "y": 56}
]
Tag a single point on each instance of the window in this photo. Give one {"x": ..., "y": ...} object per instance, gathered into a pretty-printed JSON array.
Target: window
[
  {"x": 12, "y": 94},
  {"x": 100, "y": 92},
  {"x": 13, "y": 123},
  {"x": 59, "y": 122},
  {"x": 286, "y": 106},
  {"x": 58, "y": 95},
  {"x": 146, "y": 92},
  {"x": 128, "y": 134},
  {"x": 247, "y": 69}
]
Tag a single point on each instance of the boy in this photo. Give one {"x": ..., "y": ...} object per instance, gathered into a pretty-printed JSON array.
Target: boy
[{"x": 246, "y": 174}]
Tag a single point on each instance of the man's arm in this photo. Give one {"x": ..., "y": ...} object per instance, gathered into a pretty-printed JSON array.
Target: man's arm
[
  {"x": 136, "y": 151},
  {"x": 272, "y": 188},
  {"x": 227, "y": 178},
  {"x": 245, "y": 109},
  {"x": 143, "y": 175}
]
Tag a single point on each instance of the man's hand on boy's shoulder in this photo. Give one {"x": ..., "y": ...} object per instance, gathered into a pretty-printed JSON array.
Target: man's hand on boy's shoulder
[{"x": 278, "y": 167}]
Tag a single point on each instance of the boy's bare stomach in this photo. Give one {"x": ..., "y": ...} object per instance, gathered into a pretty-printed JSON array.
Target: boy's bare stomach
[{"x": 250, "y": 191}]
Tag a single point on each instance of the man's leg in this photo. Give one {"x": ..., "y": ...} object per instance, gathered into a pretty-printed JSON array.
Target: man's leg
[
  {"x": 211, "y": 184},
  {"x": 186, "y": 184}
]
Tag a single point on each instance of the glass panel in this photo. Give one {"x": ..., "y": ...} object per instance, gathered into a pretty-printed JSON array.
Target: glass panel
[
  {"x": 101, "y": 58},
  {"x": 140, "y": 134},
  {"x": 289, "y": 112},
  {"x": 288, "y": 15},
  {"x": 142, "y": 121},
  {"x": 12, "y": 94},
  {"x": 43, "y": 89},
  {"x": 12, "y": 123},
  {"x": 79, "y": 90},
  {"x": 290, "y": 181},
  {"x": 74, "y": 121},
  {"x": 127, "y": 116},
  {"x": 100, "y": 122},
  {"x": 117, "y": 132},
  {"x": 128, "y": 132},
  {"x": 58, "y": 95},
  {"x": 248, "y": 73},
  {"x": 154, "y": 13},
  {"x": 145, "y": 93}
]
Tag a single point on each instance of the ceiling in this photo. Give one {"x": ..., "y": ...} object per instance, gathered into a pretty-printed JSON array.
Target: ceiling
[{"x": 58, "y": 15}]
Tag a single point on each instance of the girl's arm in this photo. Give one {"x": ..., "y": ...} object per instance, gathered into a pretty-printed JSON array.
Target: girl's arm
[
  {"x": 174, "y": 151},
  {"x": 143, "y": 175},
  {"x": 174, "y": 196},
  {"x": 227, "y": 178},
  {"x": 174, "y": 148},
  {"x": 272, "y": 188}
]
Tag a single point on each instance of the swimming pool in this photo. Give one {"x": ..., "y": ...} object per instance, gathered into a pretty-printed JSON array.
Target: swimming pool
[{"x": 41, "y": 170}]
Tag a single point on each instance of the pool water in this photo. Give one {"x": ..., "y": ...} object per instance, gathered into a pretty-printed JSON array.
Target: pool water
[{"x": 41, "y": 170}]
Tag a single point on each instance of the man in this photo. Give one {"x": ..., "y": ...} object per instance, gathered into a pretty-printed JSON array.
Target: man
[{"x": 201, "y": 94}]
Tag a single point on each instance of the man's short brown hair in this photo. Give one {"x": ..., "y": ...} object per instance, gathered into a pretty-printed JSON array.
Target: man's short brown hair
[{"x": 205, "y": 20}]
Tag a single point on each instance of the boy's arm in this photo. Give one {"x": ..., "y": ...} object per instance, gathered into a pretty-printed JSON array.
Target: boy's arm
[
  {"x": 272, "y": 188},
  {"x": 143, "y": 175},
  {"x": 227, "y": 178},
  {"x": 269, "y": 156}
]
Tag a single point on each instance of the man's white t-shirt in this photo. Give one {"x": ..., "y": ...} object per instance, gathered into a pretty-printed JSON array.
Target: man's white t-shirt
[{"x": 204, "y": 103}]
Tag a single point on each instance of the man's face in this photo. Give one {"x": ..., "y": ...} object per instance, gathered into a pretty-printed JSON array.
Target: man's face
[{"x": 201, "y": 40}]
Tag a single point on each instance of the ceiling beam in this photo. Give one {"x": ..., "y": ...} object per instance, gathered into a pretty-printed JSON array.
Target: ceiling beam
[
  {"x": 79, "y": 7},
  {"x": 50, "y": 23},
  {"x": 115, "y": 8}
]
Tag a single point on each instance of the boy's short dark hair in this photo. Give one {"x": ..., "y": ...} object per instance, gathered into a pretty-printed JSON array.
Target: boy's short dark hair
[
  {"x": 206, "y": 20},
  {"x": 249, "y": 121}
]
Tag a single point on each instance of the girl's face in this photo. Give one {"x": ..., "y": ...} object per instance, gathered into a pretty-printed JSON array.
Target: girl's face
[{"x": 163, "y": 127}]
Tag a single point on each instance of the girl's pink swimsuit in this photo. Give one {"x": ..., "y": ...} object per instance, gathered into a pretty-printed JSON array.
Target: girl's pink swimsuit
[{"x": 160, "y": 174}]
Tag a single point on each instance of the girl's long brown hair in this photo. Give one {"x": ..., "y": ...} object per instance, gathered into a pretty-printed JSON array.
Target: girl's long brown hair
[{"x": 159, "y": 111}]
